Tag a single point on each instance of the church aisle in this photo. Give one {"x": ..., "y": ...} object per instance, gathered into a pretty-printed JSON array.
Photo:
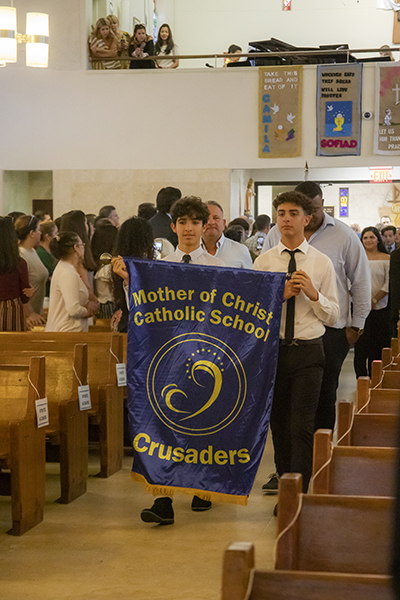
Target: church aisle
[{"x": 97, "y": 547}]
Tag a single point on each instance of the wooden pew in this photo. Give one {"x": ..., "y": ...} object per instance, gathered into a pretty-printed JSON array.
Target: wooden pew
[
  {"x": 101, "y": 326},
  {"x": 329, "y": 533},
  {"x": 22, "y": 444},
  {"x": 242, "y": 581},
  {"x": 352, "y": 470},
  {"x": 379, "y": 400},
  {"x": 104, "y": 352},
  {"x": 365, "y": 429},
  {"x": 68, "y": 428}
]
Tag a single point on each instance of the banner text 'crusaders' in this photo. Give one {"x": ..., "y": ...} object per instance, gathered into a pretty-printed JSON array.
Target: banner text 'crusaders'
[{"x": 202, "y": 353}]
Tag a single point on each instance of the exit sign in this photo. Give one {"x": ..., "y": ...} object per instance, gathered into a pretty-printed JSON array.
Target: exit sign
[{"x": 380, "y": 174}]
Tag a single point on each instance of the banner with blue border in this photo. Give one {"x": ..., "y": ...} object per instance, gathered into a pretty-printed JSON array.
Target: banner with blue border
[
  {"x": 339, "y": 89},
  {"x": 202, "y": 353}
]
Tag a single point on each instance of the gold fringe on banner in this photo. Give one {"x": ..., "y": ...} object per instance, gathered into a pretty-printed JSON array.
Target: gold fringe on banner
[{"x": 162, "y": 490}]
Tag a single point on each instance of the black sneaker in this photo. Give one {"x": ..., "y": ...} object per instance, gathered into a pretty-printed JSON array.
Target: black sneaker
[
  {"x": 198, "y": 504},
  {"x": 161, "y": 512},
  {"x": 271, "y": 487}
]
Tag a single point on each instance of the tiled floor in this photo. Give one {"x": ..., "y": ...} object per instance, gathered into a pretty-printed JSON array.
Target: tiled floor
[{"x": 97, "y": 548}]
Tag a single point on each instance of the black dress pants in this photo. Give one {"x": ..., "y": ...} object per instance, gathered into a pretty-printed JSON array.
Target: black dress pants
[
  {"x": 336, "y": 348},
  {"x": 369, "y": 345},
  {"x": 297, "y": 388}
]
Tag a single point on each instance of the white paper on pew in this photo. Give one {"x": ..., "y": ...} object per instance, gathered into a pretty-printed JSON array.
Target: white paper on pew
[
  {"x": 121, "y": 374},
  {"x": 42, "y": 412},
  {"x": 84, "y": 397}
]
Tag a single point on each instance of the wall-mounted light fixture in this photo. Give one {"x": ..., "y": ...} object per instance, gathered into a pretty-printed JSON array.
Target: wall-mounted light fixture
[{"x": 36, "y": 37}]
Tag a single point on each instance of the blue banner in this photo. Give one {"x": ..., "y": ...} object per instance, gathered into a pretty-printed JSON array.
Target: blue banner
[{"x": 202, "y": 352}]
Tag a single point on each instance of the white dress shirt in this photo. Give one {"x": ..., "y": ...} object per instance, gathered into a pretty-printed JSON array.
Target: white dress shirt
[
  {"x": 232, "y": 253},
  {"x": 310, "y": 317},
  {"x": 198, "y": 256},
  {"x": 341, "y": 244},
  {"x": 68, "y": 296}
]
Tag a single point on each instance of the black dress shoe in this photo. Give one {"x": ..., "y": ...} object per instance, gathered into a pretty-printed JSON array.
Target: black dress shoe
[
  {"x": 161, "y": 512},
  {"x": 276, "y": 510},
  {"x": 198, "y": 504}
]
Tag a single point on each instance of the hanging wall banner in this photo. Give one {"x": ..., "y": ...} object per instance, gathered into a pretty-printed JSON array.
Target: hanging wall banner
[
  {"x": 280, "y": 102},
  {"x": 339, "y": 110},
  {"x": 387, "y": 109},
  {"x": 202, "y": 353}
]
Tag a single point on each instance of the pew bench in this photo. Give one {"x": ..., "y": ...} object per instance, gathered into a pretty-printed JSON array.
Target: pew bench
[
  {"x": 378, "y": 400},
  {"x": 104, "y": 352},
  {"x": 352, "y": 470},
  {"x": 329, "y": 533},
  {"x": 68, "y": 425},
  {"x": 366, "y": 429},
  {"x": 242, "y": 581},
  {"x": 22, "y": 443}
]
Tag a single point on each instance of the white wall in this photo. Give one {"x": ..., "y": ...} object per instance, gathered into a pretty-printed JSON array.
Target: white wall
[
  {"x": 212, "y": 25},
  {"x": 152, "y": 120}
]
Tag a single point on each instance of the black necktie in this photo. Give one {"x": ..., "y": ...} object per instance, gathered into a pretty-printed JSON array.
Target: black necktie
[
  {"x": 289, "y": 327},
  {"x": 186, "y": 258}
]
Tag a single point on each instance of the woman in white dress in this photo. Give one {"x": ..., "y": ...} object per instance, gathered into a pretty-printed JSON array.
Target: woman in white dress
[
  {"x": 377, "y": 325},
  {"x": 69, "y": 307}
]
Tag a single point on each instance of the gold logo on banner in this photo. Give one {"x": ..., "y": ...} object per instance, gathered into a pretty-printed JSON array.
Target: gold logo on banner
[{"x": 212, "y": 384}]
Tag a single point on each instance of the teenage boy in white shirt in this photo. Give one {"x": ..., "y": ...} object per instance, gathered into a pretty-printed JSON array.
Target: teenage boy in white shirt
[{"x": 310, "y": 302}]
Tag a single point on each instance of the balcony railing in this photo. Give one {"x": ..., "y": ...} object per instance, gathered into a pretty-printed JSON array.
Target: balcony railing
[{"x": 347, "y": 52}]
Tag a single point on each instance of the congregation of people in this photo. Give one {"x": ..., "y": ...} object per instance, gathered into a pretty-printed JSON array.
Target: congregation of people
[{"x": 342, "y": 289}]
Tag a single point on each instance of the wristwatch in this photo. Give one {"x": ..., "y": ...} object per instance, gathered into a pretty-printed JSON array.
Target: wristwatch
[{"x": 358, "y": 330}]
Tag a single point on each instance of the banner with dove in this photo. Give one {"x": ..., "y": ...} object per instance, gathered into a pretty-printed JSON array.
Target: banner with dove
[
  {"x": 280, "y": 111},
  {"x": 387, "y": 120},
  {"x": 202, "y": 354},
  {"x": 339, "y": 90}
]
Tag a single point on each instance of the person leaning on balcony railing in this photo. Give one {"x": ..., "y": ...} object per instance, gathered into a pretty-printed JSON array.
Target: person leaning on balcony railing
[
  {"x": 140, "y": 46},
  {"x": 122, "y": 39},
  {"x": 165, "y": 46},
  {"x": 104, "y": 44}
]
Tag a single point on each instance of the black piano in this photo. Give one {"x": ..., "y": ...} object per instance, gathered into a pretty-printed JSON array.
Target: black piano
[{"x": 274, "y": 45}]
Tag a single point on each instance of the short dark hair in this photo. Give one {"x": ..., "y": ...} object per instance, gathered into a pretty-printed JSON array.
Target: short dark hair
[
  {"x": 106, "y": 211},
  {"x": 388, "y": 228},
  {"x": 235, "y": 233},
  {"x": 241, "y": 222},
  {"x": 192, "y": 207},
  {"x": 234, "y": 48},
  {"x": 309, "y": 188},
  {"x": 166, "y": 197},
  {"x": 295, "y": 198},
  {"x": 146, "y": 210},
  {"x": 40, "y": 214},
  {"x": 261, "y": 222}
]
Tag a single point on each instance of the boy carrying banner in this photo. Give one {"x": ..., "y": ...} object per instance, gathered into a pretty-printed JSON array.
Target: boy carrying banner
[{"x": 310, "y": 302}]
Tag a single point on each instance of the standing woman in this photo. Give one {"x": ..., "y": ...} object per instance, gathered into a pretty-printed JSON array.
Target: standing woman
[
  {"x": 104, "y": 44},
  {"x": 377, "y": 325},
  {"x": 122, "y": 38},
  {"x": 28, "y": 233},
  {"x": 75, "y": 220},
  {"x": 134, "y": 239},
  {"x": 69, "y": 307},
  {"x": 140, "y": 46},
  {"x": 165, "y": 46},
  {"x": 14, "y": 282}
]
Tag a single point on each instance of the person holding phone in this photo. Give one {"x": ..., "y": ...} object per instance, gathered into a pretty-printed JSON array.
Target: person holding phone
[{"x": 255, "y": 242}]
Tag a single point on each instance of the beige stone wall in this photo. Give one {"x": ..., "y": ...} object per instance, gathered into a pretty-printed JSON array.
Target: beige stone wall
[{"x": 89, "y": 190}]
